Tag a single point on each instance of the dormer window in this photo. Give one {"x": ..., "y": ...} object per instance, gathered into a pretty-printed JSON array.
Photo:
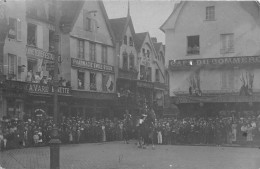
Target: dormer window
[{"x": 125, "y": 40}]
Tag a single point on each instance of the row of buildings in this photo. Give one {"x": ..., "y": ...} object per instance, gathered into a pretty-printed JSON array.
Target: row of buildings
[
  {"x": 105, "y": 67},
  {"x": 213, "y": 56}
]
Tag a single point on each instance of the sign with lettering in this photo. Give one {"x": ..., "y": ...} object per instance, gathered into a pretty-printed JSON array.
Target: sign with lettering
[
  {"x": 144, "y": 84},
  {"x": 46, "y": 89},
  {"x": 173, "y": 64},
  {"x": 215, "y": 99},
  {"x": 35, "y": 52},
  {"x": 35, "y": 87},
  {"x": 91, "y": 65}
]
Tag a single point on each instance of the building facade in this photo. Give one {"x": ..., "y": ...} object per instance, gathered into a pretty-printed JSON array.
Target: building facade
[
  {"x": 89, "y": 61},
  {"x": 28, "y": 60},
  {"x": 213, "y": 56},
  {"x": 140, "y": 79}
]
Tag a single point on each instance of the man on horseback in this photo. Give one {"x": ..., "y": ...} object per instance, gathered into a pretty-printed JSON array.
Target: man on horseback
[{"x": 146, "y": 128}]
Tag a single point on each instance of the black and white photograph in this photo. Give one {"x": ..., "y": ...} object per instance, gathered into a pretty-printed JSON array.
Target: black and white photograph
[{"x": 129, "y": 84}]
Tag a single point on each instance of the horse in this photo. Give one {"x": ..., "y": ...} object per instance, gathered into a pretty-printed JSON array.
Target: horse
[{"x": 146, "y": 129}]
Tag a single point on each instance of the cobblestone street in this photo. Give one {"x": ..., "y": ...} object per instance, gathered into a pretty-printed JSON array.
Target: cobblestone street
[{"x": 117, "y": 155}]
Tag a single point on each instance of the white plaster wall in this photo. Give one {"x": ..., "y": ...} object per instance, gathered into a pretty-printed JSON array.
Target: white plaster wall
[{"x": 240, "y": 18}]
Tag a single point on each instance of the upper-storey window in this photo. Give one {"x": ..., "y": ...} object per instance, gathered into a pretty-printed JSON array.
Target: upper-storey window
[
  {"x": 227, "y": 41},
  {"x": 193, "y": 45},
  {"x": 92, "y": 52},
  {"x": 81, "y": 49},
  {"x": 125, "y": 61},
  {"x": 143, "y": 51},
  {"x": 148, "y": 53},
  {"x": 132, "y": 61},
  {"x": 104, "y": 54},
  {"x": 131, "y": 41},
  {"x": 15, "y": 29},
  {"x": 210, "y": 13},
  {"x": 31, "y": 34},
  {"x": 125, "y": 40},
  {"x": 157, "y": 75}
]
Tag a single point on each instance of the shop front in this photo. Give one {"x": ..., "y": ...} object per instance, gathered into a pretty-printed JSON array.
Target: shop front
[
  {"x": 28, "y": 100},
  {"x": 218, "y": 105},
  {"x": 96, "y": 105}
]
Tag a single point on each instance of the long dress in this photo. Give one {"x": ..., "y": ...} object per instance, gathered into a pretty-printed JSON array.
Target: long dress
[
  {"x": 103, "y": 134},
  {"x": 234, "y": 132},
  {"x": 249, "y": 134}
]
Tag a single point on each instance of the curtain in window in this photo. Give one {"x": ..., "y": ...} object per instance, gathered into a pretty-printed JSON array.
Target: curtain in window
[{"x": 81, "y": 80}]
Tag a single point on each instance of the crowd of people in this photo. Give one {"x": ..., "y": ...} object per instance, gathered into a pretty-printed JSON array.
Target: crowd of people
[
  {"x": 37, "y": 132},
  {"x": 214, "y": 131},
  {"x": 31, "y": 132}
]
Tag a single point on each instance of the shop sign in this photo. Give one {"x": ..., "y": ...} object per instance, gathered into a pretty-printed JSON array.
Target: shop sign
[
  {"x": 215, "y": 61},
  {"x": 35, "y": 87},
  {"x": 215, "y": 99},
  {"x": 45, "y": 89},
  {"x": 91, "y": 65},
  {"x": 36, "y": 52},
  {"x": 144, "y": 84}
]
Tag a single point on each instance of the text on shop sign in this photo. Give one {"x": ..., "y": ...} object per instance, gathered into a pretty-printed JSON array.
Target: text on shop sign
[
  {"x": 91, "y": 65},
  {"x": 215, "y": 61},
  {"x": 35, "y": 52}
]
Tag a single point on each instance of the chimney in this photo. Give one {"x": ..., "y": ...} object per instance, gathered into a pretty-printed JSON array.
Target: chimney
[{"x": 154, "y": 39}]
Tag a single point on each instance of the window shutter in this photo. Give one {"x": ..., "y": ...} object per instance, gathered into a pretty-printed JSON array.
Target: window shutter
[
  {"x": 39, "y": 37},
  {"x": 19, "y": 64},
  {"x": 19, "y": 30},
  {"x": 5, "y": 64}
]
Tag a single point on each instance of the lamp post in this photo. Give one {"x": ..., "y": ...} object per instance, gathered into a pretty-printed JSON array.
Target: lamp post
[
  {"x": 55, "y": 141},
  {"x": 4, "y": 28}
]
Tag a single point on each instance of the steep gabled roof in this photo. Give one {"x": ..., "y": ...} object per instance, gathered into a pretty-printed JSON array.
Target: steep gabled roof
[
  {"x": 157, "y": 46},
  {"x": 118, "y": 27},
  {"x": 176, "y": 10},
  {"x": 70, "y": 11},
  {"x": 103, "y": 9},
  {"x": 139, "y": 40}
]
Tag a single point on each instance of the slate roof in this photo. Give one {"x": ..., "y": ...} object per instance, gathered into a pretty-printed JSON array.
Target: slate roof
[
  {"x": 118, "y": 26},
  {"x": 139, "y": 40},
  {"x": 157, "y": 46}
]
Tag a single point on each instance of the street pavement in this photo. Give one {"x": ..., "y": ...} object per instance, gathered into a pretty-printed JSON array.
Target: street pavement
[{"x": 117, "y": 155}]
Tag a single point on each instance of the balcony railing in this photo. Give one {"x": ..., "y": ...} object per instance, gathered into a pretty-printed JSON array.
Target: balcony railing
[{"x": 128, "y": 74}]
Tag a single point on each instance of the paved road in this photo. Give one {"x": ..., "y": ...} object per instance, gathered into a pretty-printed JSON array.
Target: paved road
[{"x": 117, "y": 155}]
